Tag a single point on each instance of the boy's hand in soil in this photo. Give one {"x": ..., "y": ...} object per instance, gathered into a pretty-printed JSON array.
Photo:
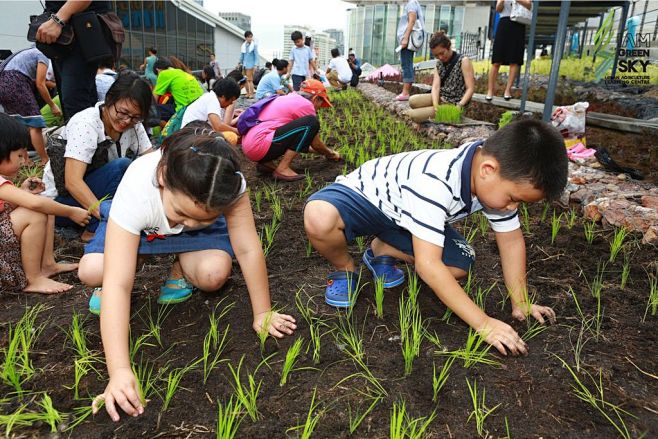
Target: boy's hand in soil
[
  {"x": 501, "y": 335},
  {"x": 279, "y": 324},
  {"x": 521, "y": 311},
  {"x": 79, "y": 216},
  {"x": 33, "y": 185},
  {"x": 122, "y": 390}
]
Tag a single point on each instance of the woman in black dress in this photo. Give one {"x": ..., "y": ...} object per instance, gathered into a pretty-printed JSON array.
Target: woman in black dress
[{"x": 508, "y": 47}]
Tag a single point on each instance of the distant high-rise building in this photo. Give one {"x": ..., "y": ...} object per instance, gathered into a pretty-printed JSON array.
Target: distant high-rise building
[
  {"x": 373, "y": 25},
  {"x": 237, "y": 19},
  {"x": 338, "y": 35}
]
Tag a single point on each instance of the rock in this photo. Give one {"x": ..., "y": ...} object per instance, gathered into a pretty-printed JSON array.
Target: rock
[
  {"x": 651, "y": 236},
  {"x": 649, "y": 201},
  {"x": 577, "y": 180},
  {"x": 622, "y": 177}
]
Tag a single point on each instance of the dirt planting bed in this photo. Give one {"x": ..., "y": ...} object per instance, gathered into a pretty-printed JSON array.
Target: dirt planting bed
[{"x": 531, "y": 396}]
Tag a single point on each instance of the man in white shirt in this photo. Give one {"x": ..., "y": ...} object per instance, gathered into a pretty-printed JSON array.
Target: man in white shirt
[{"x": 339, "y": 72}]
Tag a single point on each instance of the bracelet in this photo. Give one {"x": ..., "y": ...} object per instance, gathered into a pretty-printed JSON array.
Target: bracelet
[{"x": 57, "y": 20}]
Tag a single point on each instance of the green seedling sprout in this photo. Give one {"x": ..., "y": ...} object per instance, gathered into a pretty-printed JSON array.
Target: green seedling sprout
[
  {"x": 360, "y": 243},
  {"x": 312, "y": 418},
  {"x": 379, "y": 298},
  {"x": 402, "y": 426},
  {"x": 95, "y": 205},
  {"x": 413, "y": 287},
  {"x": 264, "y": 331},
  {"x": 506, "y": 118},
  {"x": 556, "y": 224},
  {"x": 146, "y": 380},
  {"x": 138, "y": 343},
  {"x": 211, "y": 362},
  {"x": 617, "y": 242},
  {"x": 17, "y": 365},
  {"x": 483, "y": 224},
  {"x": 309, "y": 248},
  {"x": 246, "y": 394},
  {"x": 476, "y": 351},
  {"x": 652, "y": 304},
  {"x": 267, "y": 235},
  {"x": 480, "y": 410},
  {"x": 315, "y": 323},
  {"x": 534, "y": 329},
  {"x": 229, "y": 418},
  {"x": 173, "y": 382},
  {"x": 292, "y": 356},
  {"x": 308, "y": 185},
  {"x": 614, "y": 414},
  {"x": 411, "y": 331},
  {"x": 625, "y": 271},
  {"x": 571, "y": 218},
  {"x": 258, "y": 200},
  {"x": 588, "y": 230},
  {"x": 544, "y": 212},
  {"x": 448, "y": 113},
  {"x": 84, "y": 358},
  {"x": 51, "y": 415},
  {"x": 348, "y": 338},
  {"x": 357, "y": 417},
  {"x": 80, "y": 414},
  {"x": 438, "y": 381},
  {"x": 525, "y": 218}
]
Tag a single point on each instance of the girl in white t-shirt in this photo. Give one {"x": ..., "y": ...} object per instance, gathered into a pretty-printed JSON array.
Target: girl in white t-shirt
[{"x": 166, "y": 203}]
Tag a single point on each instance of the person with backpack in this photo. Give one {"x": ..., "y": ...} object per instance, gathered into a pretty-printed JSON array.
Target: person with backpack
[
  {"x": 453, "y": 83},
  {"x": 283, "y": 127}
]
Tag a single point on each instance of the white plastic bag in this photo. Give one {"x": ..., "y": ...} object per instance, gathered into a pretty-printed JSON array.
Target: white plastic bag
[{"x": 570, "y": 120}]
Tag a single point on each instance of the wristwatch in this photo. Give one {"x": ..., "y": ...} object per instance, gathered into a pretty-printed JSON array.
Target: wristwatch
[{"x": 57, "y": 20}]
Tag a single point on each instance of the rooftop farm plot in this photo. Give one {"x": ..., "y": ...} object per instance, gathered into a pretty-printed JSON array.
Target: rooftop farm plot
[{"x": 398, "y": 364}]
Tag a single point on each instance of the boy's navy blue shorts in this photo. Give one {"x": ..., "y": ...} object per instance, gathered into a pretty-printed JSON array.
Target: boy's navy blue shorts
[
  {"x": 362, "y": 218},
  {"x": 213, "y": 237}
]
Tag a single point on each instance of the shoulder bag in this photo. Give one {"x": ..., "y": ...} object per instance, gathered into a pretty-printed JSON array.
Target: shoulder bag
[{"x": 520, "y": 13}]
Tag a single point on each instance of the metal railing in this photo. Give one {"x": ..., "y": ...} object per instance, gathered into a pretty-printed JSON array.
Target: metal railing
[{"x": 471, "y": 44}]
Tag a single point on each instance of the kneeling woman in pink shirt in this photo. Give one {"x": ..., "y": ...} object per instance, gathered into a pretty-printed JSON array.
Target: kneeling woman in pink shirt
[{"x": 288, "y": 126}]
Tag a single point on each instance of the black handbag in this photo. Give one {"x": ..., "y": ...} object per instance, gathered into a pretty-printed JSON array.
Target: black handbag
[
  {"x": 91, "y": 36},
  {"x": 60, "y": 48}
]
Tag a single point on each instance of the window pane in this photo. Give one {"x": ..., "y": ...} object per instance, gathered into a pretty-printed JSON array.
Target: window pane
[
  {"x": 171, "y": 18},
  {"x": 149, "y": 19}
]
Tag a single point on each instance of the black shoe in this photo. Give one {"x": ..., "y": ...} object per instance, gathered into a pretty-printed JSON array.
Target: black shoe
[{"x": 603, "y": 156}]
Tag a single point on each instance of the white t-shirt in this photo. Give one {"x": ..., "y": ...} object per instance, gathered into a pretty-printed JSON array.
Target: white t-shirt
[
  {"x": 200, "y": 109},
  {"x": 137, "y": 205},
  {"x": 84, "y": 132},
  {"x": 342, "y": 67}
]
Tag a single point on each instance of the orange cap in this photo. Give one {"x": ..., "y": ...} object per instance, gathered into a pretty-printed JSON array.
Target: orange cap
[{"x": 316, "y": 88}]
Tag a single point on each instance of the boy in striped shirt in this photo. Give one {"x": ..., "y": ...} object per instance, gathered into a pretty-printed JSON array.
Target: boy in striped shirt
[{"x": 408, "y": 200}]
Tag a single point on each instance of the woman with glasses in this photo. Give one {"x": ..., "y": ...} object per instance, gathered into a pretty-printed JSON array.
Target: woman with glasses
[{"x": 93, "y": 151}]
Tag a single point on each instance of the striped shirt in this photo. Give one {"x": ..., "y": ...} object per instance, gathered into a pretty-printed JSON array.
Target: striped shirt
[{"x": 422, "y": 190}]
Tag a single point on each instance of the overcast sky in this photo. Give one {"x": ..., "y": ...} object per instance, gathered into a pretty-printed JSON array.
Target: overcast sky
[{"x": 269, "y": 17}]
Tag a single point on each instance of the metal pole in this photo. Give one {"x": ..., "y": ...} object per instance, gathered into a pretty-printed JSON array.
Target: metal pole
[
  {"x": 620, "y": 36},
  {"x": 582, "y": 43},
  {"x": 557, "y": 58},
  {"x": 531, "y": 56}
]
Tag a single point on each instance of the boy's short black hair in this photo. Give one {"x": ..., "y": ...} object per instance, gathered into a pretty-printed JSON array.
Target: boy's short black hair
[
  {"x": 227, "y": 88},
  {"x": 14, "y": 136},
  {"x": 531, "y": 151},
  {"x": 296, "y": 35},
  {"x": 335, "y": 53},
  {"x": 248, "y": 34}
]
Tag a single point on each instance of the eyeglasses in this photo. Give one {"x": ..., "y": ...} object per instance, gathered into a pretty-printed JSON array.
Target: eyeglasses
[{"x": 122, "y": 115}]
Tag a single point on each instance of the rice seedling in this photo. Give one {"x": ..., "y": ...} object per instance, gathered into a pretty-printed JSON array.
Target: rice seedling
[
  {"x": 84, "y": 358},
  {"x": 360, "y": 243},
  {"x": 581, "y": 341},
  {"x": 379, "y": 298},
  {"x": 277, "y": 208},
  {"x": 347, "y": 336},
  {"x": 146, "y": 380},
  {"x": 312, "y": 418},
  {"x": 26, "y": 172},
  {"x": 17, "y": 419},
  {"x": 309, "y": 248},
  {"x": 173, "y": 382},
  {"x": 413, "y": 286},
  {"x": 571, "y": 218},
  {"x": 470, "y": 233},
  {"x": 438, "y": 381},
  {"x": 246, "y": 393},
  {"x": 315, "y": 324},
  {"x": 534, "y": 329},
  {"x": 588, "y": 230},
  {"x": 292, "y": 355},
  {"x": 625, "y": 271},
  {"x": 267, "y": 235},
  {"x": 411, "y": 331},
  {"x": 402, "y": 426},
  {"x": 264, "y": 331},
  {"x": 209, "y": 343},
  {"x": 95, "y": 205},
  {"x": 448, "y": 113},
  {"x": 506, "y": 118},
  {"x": 483, "y": 224},
  {"x": 50, "y": 415},
  {"x": 229, "y": 418},
  {"x": 17, "y": 365},
  {"x": 544, "y": 212},
  {"x": 614, "y": 414},
  {"x": 480, "y": 298},
  {"x": 258, "y": 200},
  {"x": 556, "y": 224},
  {"x": 617, "y": 242},
  {"x": 356, "y": 418},
  {"x": 652, "y": 303},
  {"x": 476, "y": 351},
  {"x": 80, "y": 414},
  {"x": 480, "y": 410},
  {"x": 137, "y": 343},
  {"x": 308, "y": 185}
]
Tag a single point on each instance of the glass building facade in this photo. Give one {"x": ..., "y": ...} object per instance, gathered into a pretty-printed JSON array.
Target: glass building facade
[
  {"x": 172, "y": 31},
  {"x": 373, "y": 28}
]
